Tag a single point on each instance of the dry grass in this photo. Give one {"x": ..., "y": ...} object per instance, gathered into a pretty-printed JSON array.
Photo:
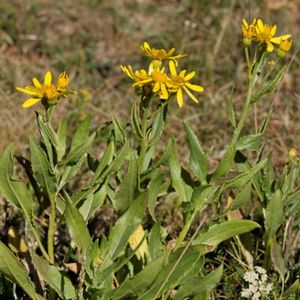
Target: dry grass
[{"x": 90, "y": 39}]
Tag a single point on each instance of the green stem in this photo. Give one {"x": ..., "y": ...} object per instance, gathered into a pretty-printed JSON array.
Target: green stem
[
  {"x": 37, "y": 238},
  {"x": 51, "y": 232}
]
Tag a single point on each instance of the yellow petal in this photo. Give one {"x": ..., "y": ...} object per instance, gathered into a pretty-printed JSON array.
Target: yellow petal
[
  {"x": 27, "y": 91},
  {"x": 179, "y": 98},
  {"x": 36, "y": 83},
  {"x": 273, "y": 30},
  {"x": 31, "y": 101},
  {"x": 276, "y": 40},
  {"x": 189, "y": 76},
  {"x": 260, "y": 25},
  {"x": 191, "y": 95},
  {"x": 156, "y": 87},
  {"x": 270, "y": 47},
  {"x": 195, "y": 87},
  {"x": 172, "y": 68},
  {"x": 245, "y": 23},
  {"x": 165, "y": 94},
  {"x": 48, "y": 78}
]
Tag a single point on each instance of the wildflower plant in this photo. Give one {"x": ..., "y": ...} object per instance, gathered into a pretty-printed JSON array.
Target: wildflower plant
[{"x": 137, "y": 258}]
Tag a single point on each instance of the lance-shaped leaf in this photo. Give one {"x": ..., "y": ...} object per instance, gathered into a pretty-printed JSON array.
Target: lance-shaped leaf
[
  {"x": 62, "y": 139},
  {"x": 77, "y": 227},
  {"x": 198, "y": 160},
  {"x": 81, "y": 142},
  {"x": 12, "y": 269},
  {"x": 197, "y": 285},
  {"x": 41, "y": 170},
  {"x": 219, "y": 233},
  {"x": 12, "y": 189},
  {"x": 56, "y": 279},
  {"x": 126, "y": 225},
  {"x": 230, "y": 109},
  {"x": 128, "y": 186}
]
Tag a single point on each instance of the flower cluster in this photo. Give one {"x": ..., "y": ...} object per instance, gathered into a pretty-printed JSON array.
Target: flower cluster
[
  {"x": 46, "y": 91},
  {"x": 258, "y": 285},
  {"x": 264, "y": 35},
  {"x": 160, "y": 82}
]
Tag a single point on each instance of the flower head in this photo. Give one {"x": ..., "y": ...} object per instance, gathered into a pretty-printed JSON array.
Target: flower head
[
  {"x": 265, "y": 34},
  {"x": 180, "y": 82},
  {"x": 248, "y": 31},
  {"x": 46, "y": 91},
  {"x": 158, "y": 55},
  {"x": 284, "y": 47}
]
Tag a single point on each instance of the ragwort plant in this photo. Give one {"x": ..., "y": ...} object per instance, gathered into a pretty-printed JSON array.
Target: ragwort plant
[{"x": 137, "y": 259}]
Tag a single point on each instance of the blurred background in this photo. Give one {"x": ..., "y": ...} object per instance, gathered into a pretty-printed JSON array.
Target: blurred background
[{"x": 90, "y": 39}]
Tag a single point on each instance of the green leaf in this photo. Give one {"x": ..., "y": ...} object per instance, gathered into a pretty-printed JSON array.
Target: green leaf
[
  {"x": 270, "y": 86},
  {"x": 49, "y": 138},
  {"x": 13, "y": 270},
  {"x": 196, "y": 285},
  {"x": 105, "y": 160},
  {"x": 41, "y": 170},
  {"x": 172, "y": 274},
  {"x": 81, "y": 142},
  {"x": 153, "y": 192},
  {"x": 274, "y": 213},
  {"x": 242, "y": 179},
  {"x": 119, "y": 132},
  {"x": 12, "y": 189},
  {"x": 62, "y": 139},
  {"x": 218, "y": 233},
  {"x": 225, "y": 164},
  {"x": 155, "y": 244},
  {"x": 277, "y": 258},
  {"x": 135, "y": 122},
  {"x": 126, "y": 225},
  {"x": 140, "y": 282},
  {"x": 198, "y": 160},
  {"x": 157, "y": 126},
  {"x": 128, "y": 186},
  {"x": 77, "y": 227},
  {"x": 250, "y": 142},
  {"x": 243, "y": 196},
  {"x": 56, "y": 279},
  {"x": 183, "y": 190}
]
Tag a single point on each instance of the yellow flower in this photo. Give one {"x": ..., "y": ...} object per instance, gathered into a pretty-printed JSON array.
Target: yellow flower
[
  {"x": 140, "y": 77},
  {"x": 284, "y": 47},
  {"x": 248, "y": 31},
  {"x": 179, "y": 82},
  {"x": 161, "y": 80},
  {"x": 158, "y": 55},
  {"x": 293, "y": 153},
  {"x": 46, "y": 91},
  {"x": 157, "y": 80},
  {"x": 265, "y": 34}
]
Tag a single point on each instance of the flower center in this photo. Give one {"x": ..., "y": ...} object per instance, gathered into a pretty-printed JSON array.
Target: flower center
[
  {"x": 266, "y": 34},
  {"x": 159, "y": 77},
  {"x": 178, "y": 81},
  {"x": 159, "y": 54},
  {"x": 50, "y": 92}
]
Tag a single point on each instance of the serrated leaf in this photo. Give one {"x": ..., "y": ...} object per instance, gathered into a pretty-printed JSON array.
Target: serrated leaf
[
  {"x": 250, "y": 142},
  {"x": 135, "y": 122},
  {"x": 12, "y": 189},
  {"x": 218, "y": 233},
  {"x": 242, "y": 197},
  {"x": 155, "y": 241},
  {"x": 198, "y": 160},
  {"x": 56, "y": 279},
  {"x": 128, "y": 186},
  {"x": 12, "y": 269},
  {"x": 157, "y": 126},
  {"x": 194, "y": 286},
  {"x": 230, "y": 109},
  {"x": 119, "y": 132},
  {"x": 243, "y": 179},
  {"x": 41, "y": 170},
  {"x": 77, "y": 227}
]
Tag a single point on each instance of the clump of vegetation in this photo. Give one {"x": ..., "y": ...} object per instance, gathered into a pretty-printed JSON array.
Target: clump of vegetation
[{"x": 235, "y": 221}]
